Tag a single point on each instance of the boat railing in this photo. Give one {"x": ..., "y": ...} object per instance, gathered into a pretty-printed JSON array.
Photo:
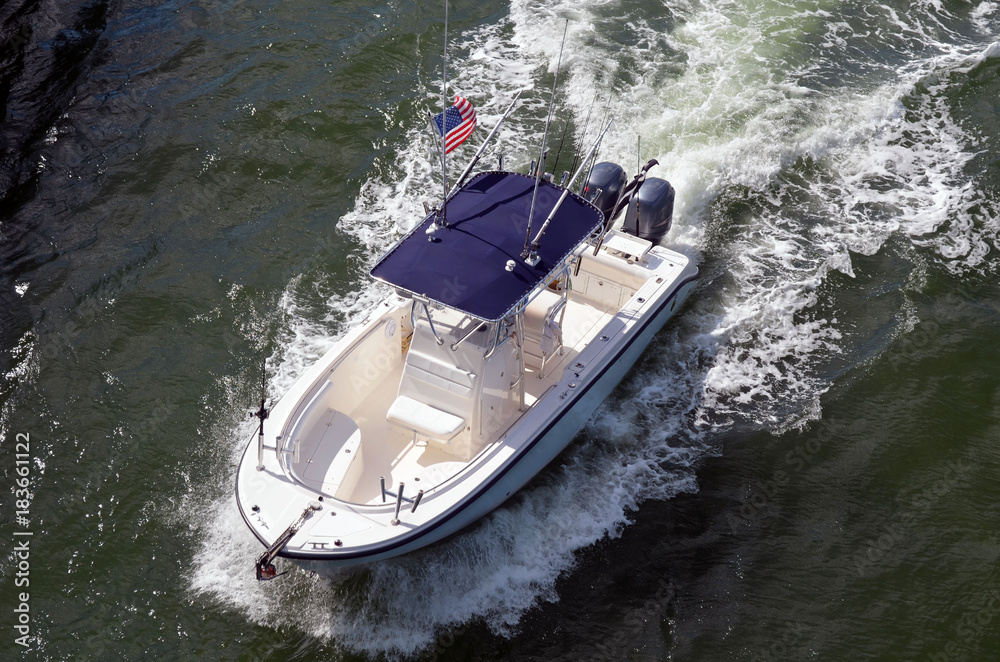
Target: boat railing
[
  {"x": 496, "y": 342},
  {"x": 496, "y": 346},
  {"x": 461, "y": 340},
  {"x": 559, "y": 309},
  {"x": 427, "y": 312}
]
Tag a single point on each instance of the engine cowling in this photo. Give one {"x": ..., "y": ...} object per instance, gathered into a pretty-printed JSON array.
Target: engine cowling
[
  {"x": 610, "y": 178},
  {"x": 651, "y": 211}
]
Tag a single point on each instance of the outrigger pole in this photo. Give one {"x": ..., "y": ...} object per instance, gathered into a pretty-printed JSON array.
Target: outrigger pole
[{"x": 541, "y": 157}]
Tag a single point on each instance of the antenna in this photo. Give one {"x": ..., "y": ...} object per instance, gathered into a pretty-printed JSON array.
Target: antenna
[
  {"x": 444, "y": 124},
  {"x": 541, "y": 159}
]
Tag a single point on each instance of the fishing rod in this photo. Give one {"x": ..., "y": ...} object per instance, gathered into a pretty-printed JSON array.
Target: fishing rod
[
  {"x": 545, "y": 136},
  {"x": 261, "y": 414},
  {"x": 583, "y": 136},
  {"x": 555, "y": 164},
  {"x": 533, "y": 258},
  {"x": 607, "y": 109}
]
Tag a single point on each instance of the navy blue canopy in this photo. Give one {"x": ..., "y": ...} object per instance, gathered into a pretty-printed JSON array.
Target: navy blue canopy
[{"x": 465, "y": 266}]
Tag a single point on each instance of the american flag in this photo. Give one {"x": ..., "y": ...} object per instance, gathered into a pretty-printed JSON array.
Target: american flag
[{"x": 459, "y": 121}]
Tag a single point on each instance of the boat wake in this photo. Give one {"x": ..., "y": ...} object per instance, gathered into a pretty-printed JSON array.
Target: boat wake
[{"x": 787, "y": 164}]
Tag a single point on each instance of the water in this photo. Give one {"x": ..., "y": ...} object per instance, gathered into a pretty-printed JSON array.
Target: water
[{"x": 803, "y": 463}]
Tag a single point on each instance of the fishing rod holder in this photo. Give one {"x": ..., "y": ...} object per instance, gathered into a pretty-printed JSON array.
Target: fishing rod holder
[
  {"x": 398, "y": 496},
  {"x": 261, "y": 414},
  {"x": 294, "y": 451}
]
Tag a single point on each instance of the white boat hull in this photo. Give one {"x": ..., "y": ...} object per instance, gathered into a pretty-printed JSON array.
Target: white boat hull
[{"x": 349, "y": 529}]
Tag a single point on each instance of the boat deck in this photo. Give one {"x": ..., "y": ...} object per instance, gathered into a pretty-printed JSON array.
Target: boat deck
[{"x": 396, "y": 457}]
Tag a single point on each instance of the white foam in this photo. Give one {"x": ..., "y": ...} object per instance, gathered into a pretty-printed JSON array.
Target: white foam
[{"x": 24, "y": 356}]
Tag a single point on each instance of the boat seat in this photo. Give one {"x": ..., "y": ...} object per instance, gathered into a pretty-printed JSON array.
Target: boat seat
[
  {"x": 542, "y": 335},
  {"x": 334, "y": 463},
  {"x": 434, "y": 398},
  {"x": 442, "y": 375},
  {"x": 424, "y": 419}
]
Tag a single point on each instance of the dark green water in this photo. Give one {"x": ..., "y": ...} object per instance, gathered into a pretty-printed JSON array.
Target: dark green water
[{"x": 803, "y": 465}]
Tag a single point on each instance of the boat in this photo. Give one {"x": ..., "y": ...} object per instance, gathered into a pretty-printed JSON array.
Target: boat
[{"x": 500, "y": 335}]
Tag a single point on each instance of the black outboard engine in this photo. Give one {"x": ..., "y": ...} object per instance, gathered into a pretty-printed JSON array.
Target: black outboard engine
[
  {"x": 651, "y": 211},
  {"x": 610, "y": 178}
]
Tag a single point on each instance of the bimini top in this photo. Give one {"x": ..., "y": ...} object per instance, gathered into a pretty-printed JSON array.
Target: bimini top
[{"x": 465, "y": 267}]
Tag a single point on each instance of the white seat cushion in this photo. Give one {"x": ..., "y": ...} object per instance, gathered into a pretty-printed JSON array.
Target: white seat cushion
[
  {"x": 445, "y": 377},
  {"x": 543, "y": 305},
  {"x": 430, "y": 421}
]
